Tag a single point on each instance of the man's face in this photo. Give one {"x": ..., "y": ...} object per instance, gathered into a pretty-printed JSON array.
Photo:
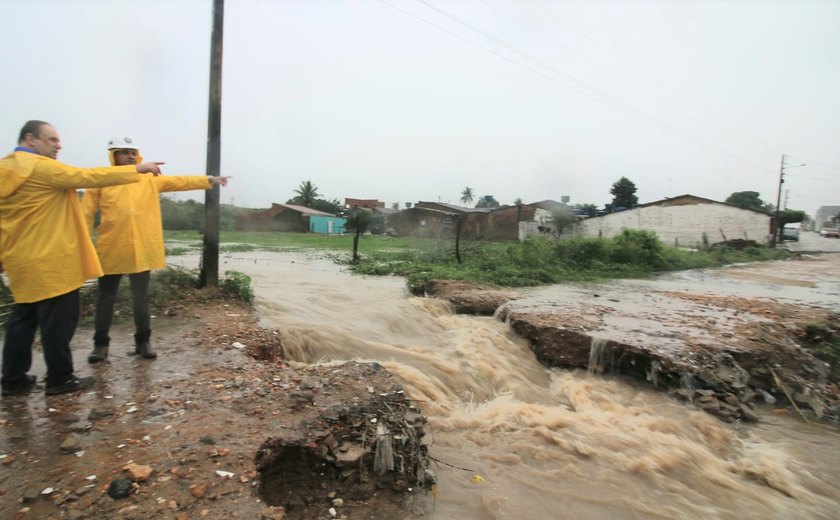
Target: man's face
[
  {"x": 125, "y": 157},
  {"x": 47, "y": 143}
]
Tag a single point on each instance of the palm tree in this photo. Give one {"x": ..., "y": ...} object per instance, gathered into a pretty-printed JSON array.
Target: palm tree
[
  {"x": 487, "y": 201},
  {"x": 467, "y": 195},
  {"x": 307, "y": 194}
]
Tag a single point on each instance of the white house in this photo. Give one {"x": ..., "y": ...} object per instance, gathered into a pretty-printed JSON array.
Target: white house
[
  {"x": 682, "y": 221},
  {"x": 822, "y": 218}
]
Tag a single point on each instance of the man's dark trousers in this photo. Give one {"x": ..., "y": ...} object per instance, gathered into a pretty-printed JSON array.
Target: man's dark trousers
[
  {"x": 56, "y": 318},
  {"x": 106, "y": 296}
]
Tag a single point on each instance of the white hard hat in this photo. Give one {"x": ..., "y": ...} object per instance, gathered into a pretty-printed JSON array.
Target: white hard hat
[{"x": 122, "y": 143}]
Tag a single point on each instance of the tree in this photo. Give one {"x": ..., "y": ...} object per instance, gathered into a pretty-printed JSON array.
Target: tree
[
  {"x": 189, "y": 214},
  {"x": 561, "y": 218},
  {"x": 748, "y": 200},
  {"x": 357, "y": 223},
  {"x": 307, "y": 193},
  {"x": 487, "y": 201},
  {"x": 467, "y": 195},
  {"x": 590, "y": 210},
  {"x": 791, "y": 216},
  {"x": 624, "y": 193},
  {"x": 327, "y": 206}
]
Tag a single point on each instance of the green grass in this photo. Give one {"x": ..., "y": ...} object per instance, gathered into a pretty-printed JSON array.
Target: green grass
[
  {"x": 275, "y": 241},
  {"x": 538, "y": 260},
  {"x": 179, "y": 251}
]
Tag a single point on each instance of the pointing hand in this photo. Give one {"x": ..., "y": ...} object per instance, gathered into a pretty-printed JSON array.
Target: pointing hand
[
  {"x": 149, "y": 167},
  {"x": 220, "y": 181}
]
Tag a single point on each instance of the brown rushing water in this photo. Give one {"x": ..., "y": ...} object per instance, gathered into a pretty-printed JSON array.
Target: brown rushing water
[{"x": 541, "y": 443}]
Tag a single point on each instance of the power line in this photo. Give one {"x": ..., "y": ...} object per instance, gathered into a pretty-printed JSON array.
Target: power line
[
  {"x": 608, "y": 70},
  {"x": 594, "y": 92},
  {"x": 824, "y": 179},
  {"x": 816, "y": 163},
  {"x": 630, "y": 64}
]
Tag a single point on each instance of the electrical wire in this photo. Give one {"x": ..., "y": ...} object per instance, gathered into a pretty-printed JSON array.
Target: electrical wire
[
  {"x": 815, "y": 163},
  {"x": 579, "y": 86},
  {"x": 810, "y": 178}
]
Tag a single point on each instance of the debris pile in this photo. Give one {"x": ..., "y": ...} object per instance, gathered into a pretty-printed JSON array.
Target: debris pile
[{"x": 347, "y": 452}]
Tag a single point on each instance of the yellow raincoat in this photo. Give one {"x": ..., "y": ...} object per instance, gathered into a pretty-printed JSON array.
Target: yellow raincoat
[
  {"x": 45, "y": 247},
  {"x": 130, "y": 228}
]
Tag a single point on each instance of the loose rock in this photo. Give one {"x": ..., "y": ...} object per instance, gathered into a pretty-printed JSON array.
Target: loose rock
[{"x": 120, "y": 488}]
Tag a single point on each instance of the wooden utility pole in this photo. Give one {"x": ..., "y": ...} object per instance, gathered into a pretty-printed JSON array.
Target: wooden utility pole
[
  {"x": 210, "y": 257},
  {"x": 776, "y": 227},
  {"x": 458, "y": 238}
]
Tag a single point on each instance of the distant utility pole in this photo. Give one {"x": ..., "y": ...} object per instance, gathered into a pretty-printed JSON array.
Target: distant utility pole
[
  {"x": 209, "y": 275},
  {"x": 776, "y": 226},
  {"x": 777, "y": 229}
]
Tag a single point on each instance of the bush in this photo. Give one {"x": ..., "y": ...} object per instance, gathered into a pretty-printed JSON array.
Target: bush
[
  {"x": 539, "y": 260},
  {"x": 638, "y": 247},
  {"x": 238, "y": 284},
  {"x": 584, "y": 252}
]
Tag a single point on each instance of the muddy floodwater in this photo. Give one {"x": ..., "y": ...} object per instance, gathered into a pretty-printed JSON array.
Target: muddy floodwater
[{"x": 514, "y": 439}]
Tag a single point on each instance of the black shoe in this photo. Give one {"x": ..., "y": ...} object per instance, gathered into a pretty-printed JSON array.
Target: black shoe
[
  {"x": 71, "y": 385},
  {"x": 19, "y": 389},
  {"x": 144, "y": 348},
  {"x": 99, "y": 353}
]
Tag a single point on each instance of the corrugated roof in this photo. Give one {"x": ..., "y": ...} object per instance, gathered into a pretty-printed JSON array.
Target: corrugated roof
[
  {"x": 304, "y": 210},
  {"x": 695, "y": 197}
]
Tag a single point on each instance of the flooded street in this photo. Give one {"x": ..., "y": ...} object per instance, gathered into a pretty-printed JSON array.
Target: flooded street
[{"x": 516, "y": 440}]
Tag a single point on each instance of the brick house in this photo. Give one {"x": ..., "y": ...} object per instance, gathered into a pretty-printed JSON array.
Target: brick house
[
  {"x": 439, "y": 220},
  {"x": 281, "y": 217}
]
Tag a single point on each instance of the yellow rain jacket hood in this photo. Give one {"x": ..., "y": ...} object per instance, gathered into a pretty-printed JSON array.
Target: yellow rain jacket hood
[
  {"x": 130, "y": 232},
  {"x": 45, "y": 247}
]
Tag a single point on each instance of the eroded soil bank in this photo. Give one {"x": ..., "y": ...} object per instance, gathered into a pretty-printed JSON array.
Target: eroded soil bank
[
  {"x": 718, "y": 347},
  {"x": 217, "y": 427}
]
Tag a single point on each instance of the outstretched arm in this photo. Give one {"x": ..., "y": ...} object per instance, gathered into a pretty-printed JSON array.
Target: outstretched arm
[
  {"x": 149, "y": 167},
  {"x": 188, "y": 182}
]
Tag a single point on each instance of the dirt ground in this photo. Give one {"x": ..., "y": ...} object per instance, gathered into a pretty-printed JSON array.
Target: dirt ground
[{"x": 184, "y": 435}]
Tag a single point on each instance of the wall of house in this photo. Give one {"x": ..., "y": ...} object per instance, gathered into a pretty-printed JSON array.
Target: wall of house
[
  {"x": 363, "y": 203},
  {"x": 420, "y": 222},
  {"x": 538, "y": 222},
  {"x": 262, "y": 221},
  {"x": 682, "y": 225},
  {"x": 503, "y": 223},
  {"x": 326, "y": 225},
  {"x": 822, "y": 217},
  {"x": 253, "y": 223},
  {"x": 291, "y": 221}
]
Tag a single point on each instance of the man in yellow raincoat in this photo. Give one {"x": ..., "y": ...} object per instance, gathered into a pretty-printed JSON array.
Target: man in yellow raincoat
[
  {"x": 130, "y": 241},
  {"x": 47, "y": 254}
]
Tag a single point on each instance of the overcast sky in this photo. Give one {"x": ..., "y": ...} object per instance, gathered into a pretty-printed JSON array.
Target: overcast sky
[{"x": 409, "y": 100}]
